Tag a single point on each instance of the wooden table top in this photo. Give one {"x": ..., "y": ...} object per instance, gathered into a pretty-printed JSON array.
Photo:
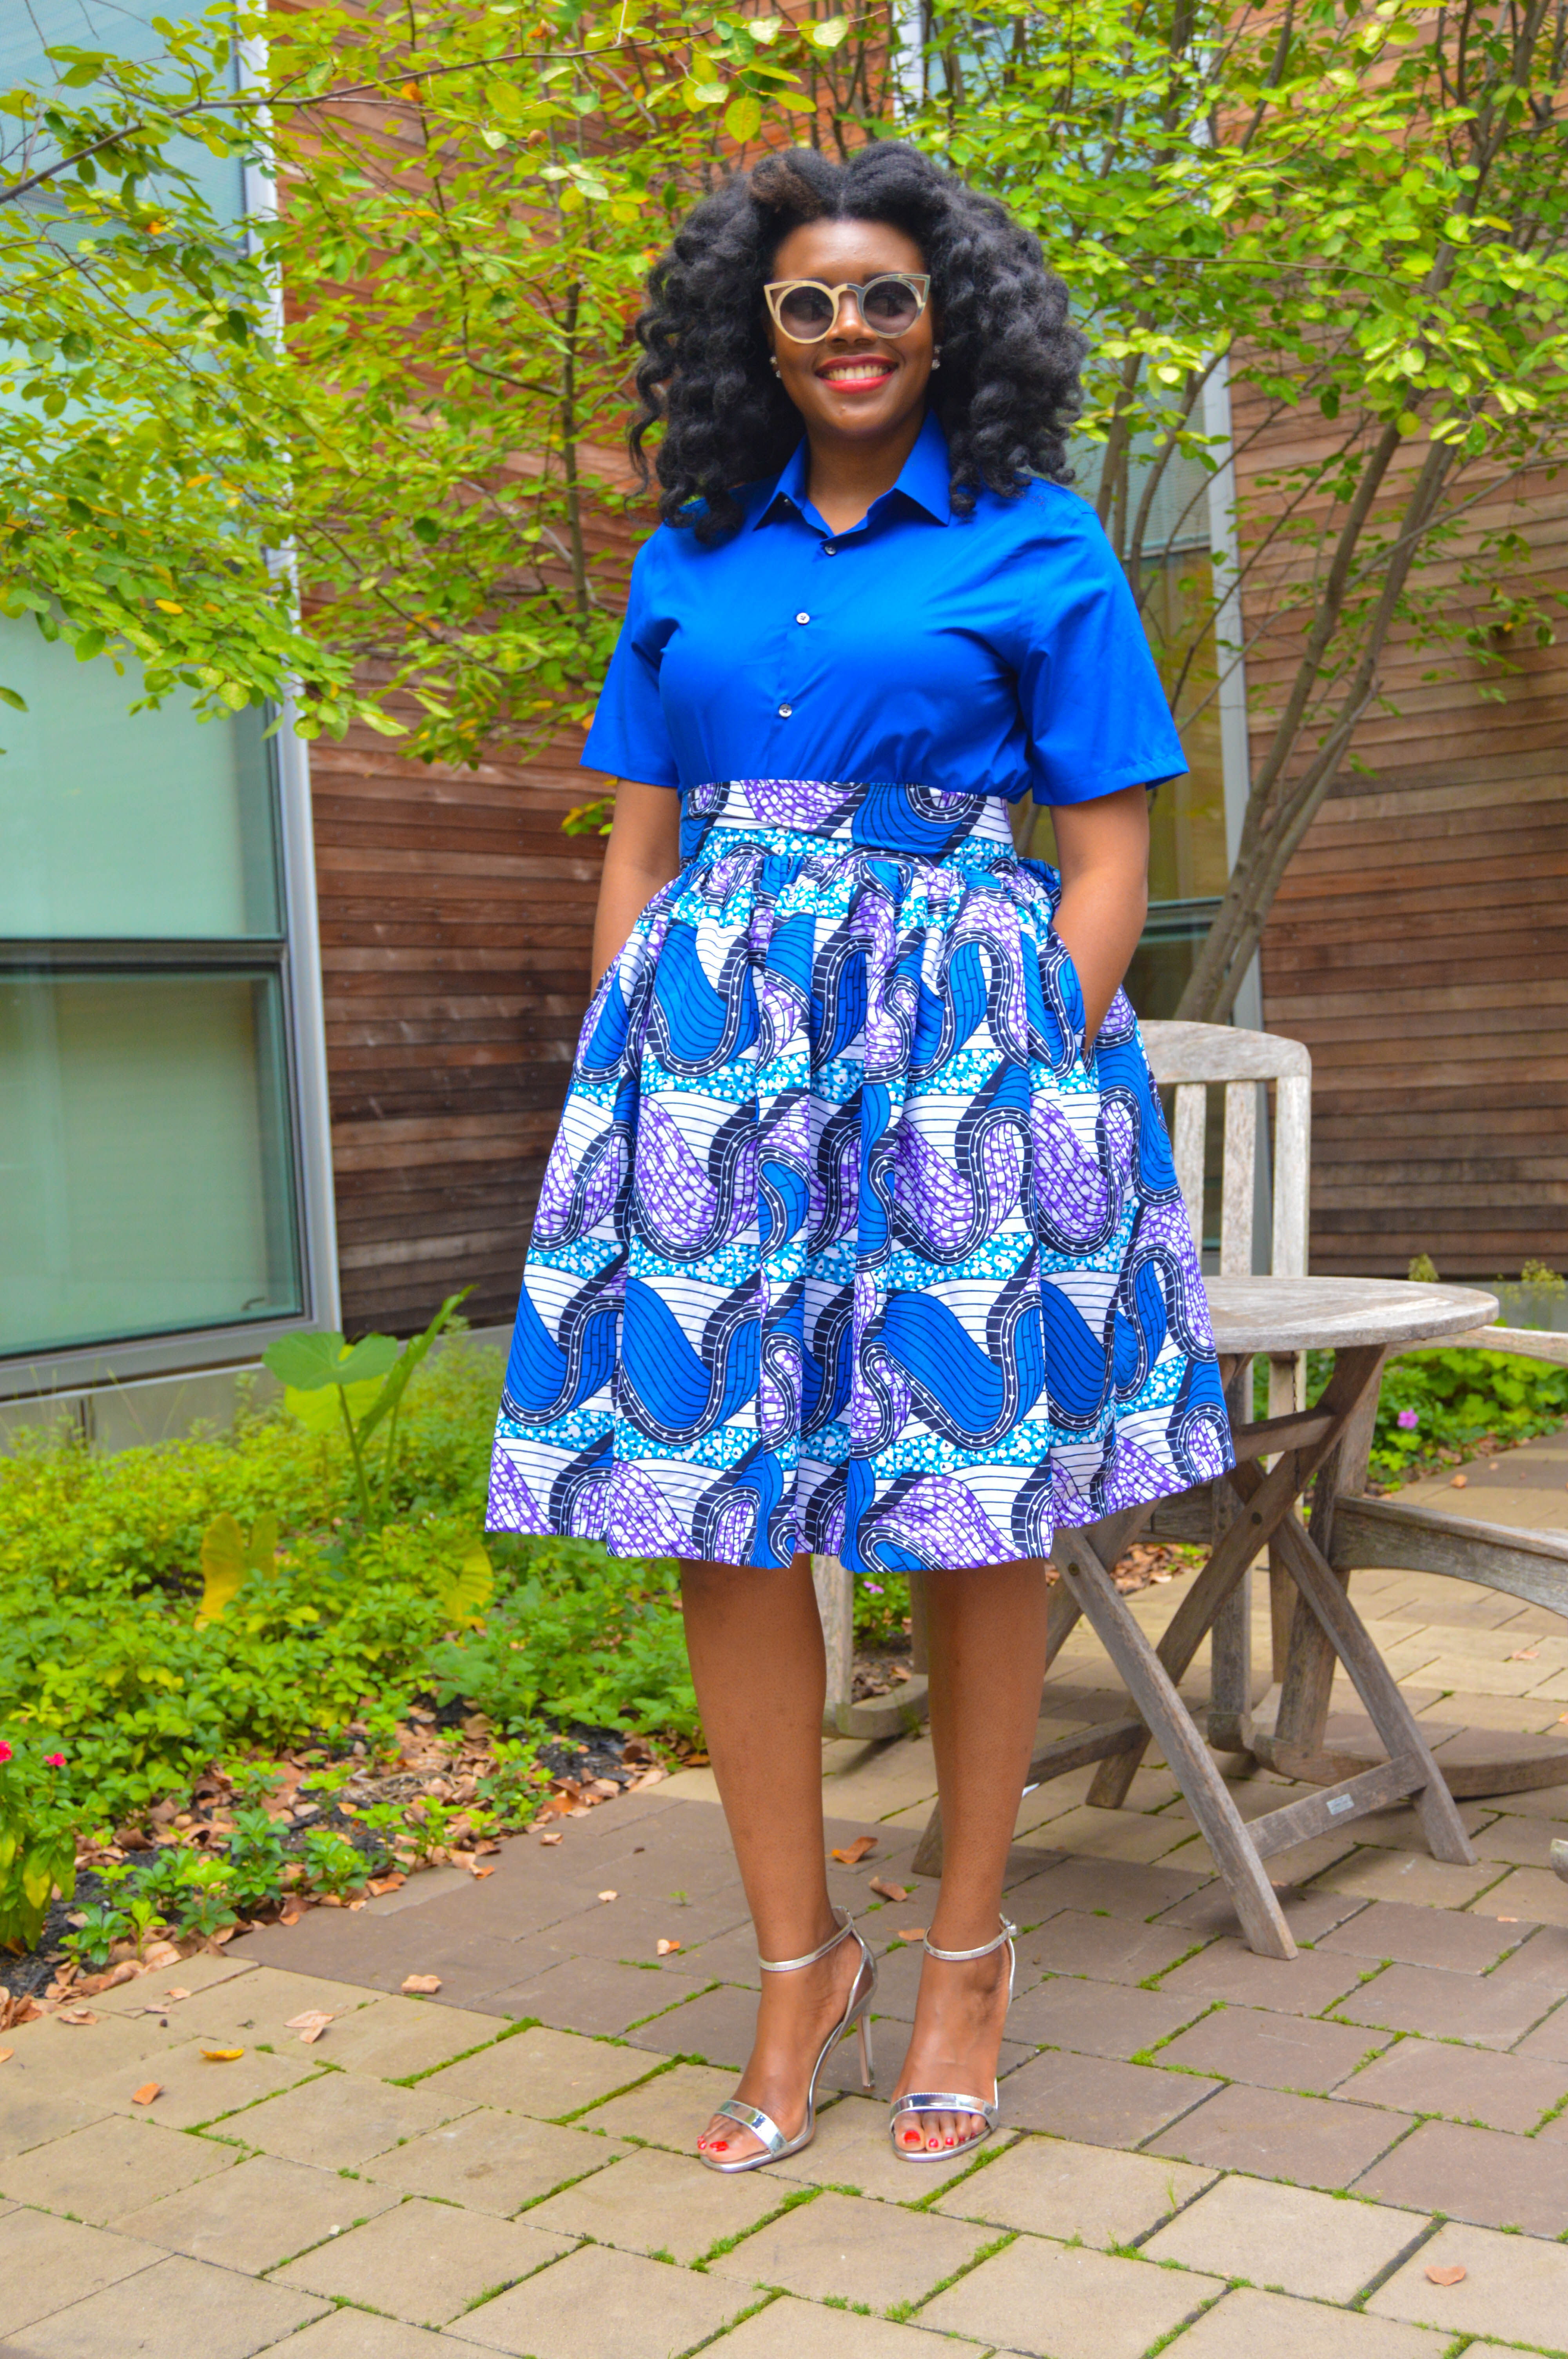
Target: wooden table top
[{"x": 1321, "y": 1314}]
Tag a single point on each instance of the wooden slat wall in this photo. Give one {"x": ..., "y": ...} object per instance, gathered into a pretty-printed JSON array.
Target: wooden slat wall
[{"x": 1420, "y": 947}]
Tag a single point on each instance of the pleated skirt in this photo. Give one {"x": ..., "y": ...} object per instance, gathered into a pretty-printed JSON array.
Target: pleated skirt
[{"x": 849, "y": 1241}]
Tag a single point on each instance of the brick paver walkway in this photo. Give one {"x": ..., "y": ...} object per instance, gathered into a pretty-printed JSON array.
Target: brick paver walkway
[{"x": 1202, "y": 2150}]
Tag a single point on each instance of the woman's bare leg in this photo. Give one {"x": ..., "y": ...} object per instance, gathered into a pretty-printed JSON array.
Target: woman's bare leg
[
  {"x": 755, "y": 1642},
  {"x": 986, "y": 1629}
]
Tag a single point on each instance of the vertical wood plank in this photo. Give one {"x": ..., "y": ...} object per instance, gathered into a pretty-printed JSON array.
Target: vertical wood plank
[
  {"x": 1309, "y": 1664},
  {"x": 1236, "y": 1179},
  {"x": 1230, "y": 1637},
  {"x": 1186, "y": 1148},
  {"x": 1292, "y": 1164}
]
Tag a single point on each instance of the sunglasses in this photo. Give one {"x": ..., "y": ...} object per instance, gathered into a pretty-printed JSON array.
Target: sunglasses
[{"x": 806, "y": 310}]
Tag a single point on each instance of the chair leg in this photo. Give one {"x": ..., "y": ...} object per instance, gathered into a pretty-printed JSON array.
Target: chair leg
[{"x": 1189, "y": 1758}]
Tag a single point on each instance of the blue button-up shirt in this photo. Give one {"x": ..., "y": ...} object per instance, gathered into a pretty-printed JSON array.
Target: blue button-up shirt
[{"x": 991, "y": 653}]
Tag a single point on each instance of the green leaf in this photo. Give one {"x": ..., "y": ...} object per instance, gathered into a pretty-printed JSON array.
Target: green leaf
[
  {"x": 743, "y": 116},
  {"x": 464, "y": 1597},
  {"x": 318, "y": 1412},
  {"x": 829, "y": 35},
  {"x": 305, "y": 1361},
  {"x": 9, "y": 696}
]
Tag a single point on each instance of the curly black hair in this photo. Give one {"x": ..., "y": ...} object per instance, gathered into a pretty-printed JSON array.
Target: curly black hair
[{"x": 1008, "y": 393}]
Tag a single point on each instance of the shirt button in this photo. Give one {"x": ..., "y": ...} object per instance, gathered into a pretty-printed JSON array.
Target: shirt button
[
  {"x": 784, "y": 711},
  {"x": 803, "y": 618},
  {"x": 830, "y": 549}
]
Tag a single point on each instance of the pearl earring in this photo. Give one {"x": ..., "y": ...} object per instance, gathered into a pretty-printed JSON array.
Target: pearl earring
[
  {"x": 937, "y": 358},
  {"x": 773, "y": 363}
]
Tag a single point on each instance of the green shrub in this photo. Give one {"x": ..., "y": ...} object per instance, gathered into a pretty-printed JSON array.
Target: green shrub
[
  {"x": 38, "y": 1849},
  {"x": 1441, "y": 1405}
]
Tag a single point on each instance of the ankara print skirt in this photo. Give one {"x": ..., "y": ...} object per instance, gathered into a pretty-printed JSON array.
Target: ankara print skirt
[{"x": 848, "y": 1241}]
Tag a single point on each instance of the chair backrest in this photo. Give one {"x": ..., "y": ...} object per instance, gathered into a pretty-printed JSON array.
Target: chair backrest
[{"x": 1194, "y": 1056}]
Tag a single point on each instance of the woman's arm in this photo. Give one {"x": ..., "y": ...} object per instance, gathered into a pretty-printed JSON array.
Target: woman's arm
[
  {"x": 1103, "y": 849},
  {"x": 643, "y": 853}
]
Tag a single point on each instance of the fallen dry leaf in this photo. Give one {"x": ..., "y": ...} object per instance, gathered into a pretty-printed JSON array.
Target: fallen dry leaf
[
  {"x": 222, "y": 2055},
  {"x": 1525, "y": 1655},
  {"x": 160, "y": 1953},
  {"x": 890, "y": 1891},
  {"x": 610, "y": 1895},
  {"x": 6, "y": 2054},
  {"x": 667, "y": 1948},
  {"x": 1460, "y": 1482},
  {"x": 76, "y": 2015},
  {"x": 380, "y": 1884},
  {"x": 310, "y": 2025},
  {"x": 291, "y": 1916},
  {"x": 1448, "y": 2272},
  {"x": 911, "y": 1932},
  {"x": 421, "y": 1986},
  {"x": 174, "y": 1993},
  {"x": 853, "y": 1853},
  {"x": 146, "y": 2092},
  {"x": 1507, "y": 1921},
  {"x": 560, "y": 1837},
  {"x": 479, "y": 1869}
]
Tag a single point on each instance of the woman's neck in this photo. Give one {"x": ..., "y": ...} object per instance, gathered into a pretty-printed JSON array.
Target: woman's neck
[{"x": 846, "y": 476}]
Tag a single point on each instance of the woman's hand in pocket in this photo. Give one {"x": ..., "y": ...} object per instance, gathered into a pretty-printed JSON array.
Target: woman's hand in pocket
[{"x": 1103, "y": 849}]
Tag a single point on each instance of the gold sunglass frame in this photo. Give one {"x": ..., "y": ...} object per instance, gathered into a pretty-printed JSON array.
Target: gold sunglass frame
[{"x": 919, "y": 281}]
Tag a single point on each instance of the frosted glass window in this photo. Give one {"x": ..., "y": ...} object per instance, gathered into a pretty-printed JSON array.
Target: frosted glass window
[
  {"x": 145, "y": 1162},
  {"x": 115, "y": 825}
]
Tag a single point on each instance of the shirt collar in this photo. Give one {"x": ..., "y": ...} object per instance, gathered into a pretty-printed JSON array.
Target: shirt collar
[{"x": 924, "y": 480}]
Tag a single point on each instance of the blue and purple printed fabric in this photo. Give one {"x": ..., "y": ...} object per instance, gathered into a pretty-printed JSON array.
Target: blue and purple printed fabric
[{"x": 847, "y": 1242}]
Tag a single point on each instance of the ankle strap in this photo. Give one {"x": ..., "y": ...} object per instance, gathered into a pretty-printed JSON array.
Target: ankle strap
[
  {"x": 787, "y": 1966},
  {"x": 962, "y": 1957}
]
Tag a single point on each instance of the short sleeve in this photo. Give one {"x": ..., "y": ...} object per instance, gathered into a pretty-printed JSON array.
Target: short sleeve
[
  {"x": 630, "y": 737},
  {"x": 1094, "y": 715}
]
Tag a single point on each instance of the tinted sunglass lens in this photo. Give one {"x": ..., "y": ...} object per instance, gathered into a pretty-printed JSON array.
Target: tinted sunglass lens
[
  {"x": 805, "y": 311},
  {"x": 889, "y": 306}
]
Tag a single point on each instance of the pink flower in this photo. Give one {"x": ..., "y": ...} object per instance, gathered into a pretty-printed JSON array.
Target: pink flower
[
  {"x": 1408, "y": 1419},
  {"x": 4, "y": 1752},
  {"x": 54, "y": 1761}
]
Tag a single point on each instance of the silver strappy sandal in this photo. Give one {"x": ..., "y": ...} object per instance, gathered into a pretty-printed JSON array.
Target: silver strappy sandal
[
  {"x": 856, "y": 2017},
  {"x": 950, "y": 2100}
]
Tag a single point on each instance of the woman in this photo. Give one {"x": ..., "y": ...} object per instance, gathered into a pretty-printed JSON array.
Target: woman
[{"x": 861, "y": 1234}]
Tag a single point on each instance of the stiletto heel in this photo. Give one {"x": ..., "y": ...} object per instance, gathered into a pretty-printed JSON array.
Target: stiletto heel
[
  {"x": 948, "y": 2101},
  {"x": 868, "y": 2069},
  {"x": 775, "y": 2147}
]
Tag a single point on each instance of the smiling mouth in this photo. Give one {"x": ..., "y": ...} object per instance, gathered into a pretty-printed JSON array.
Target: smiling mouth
[{"x": 865, "y": 372}]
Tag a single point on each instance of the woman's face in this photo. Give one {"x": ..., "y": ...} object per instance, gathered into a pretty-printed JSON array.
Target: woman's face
[{"x": 854, "y": 386}]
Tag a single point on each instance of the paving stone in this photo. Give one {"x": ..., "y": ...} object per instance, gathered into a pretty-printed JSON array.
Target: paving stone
[
  {"x": 1107, "y": 1949},
  {"x": 1543, "y": 1959},
  {"x": 853, "y": 2151},
  {"x": 718, "y": 2027},
  {"x": 1210, "y": 1914},
  {"x": 338, "y": 2121},
  {"x": 1098, "y": 2019},
  {"x": 1272, "y": 2051},
  {"x": 598, "y": 1995},
  {"x": 633, "y": 1931},
  {"x": 732, "y": 1957},
  {"x": 1423, "y": 1937},
  {"x": 51, "y": 2058},
  {"x": 1313, "y": 2141},
  {"x": 1098, "y": 2100},
  {"x": 633, "y": 2308},
  {"x": 99, "y": 2174},
  {"x": 542, "y": 2072},
  {"x": 27, "y": 2119},
  {"x": 1521, "y": 1843},
  {"x": 1248, "y": 2321},
  {"x": 261, "y": 2212},
  {"x": 259, "y": 2002},
  {"x": 807, "y": 2332},
  {"x": 1480, "y": 2175},
  {"x": 356, "y": 2334},
  {"x": 424, "y": 2262},
  {"x": 198, "y": 1975},
  {"x": 1052, "y": 2187},
  {"x": 193, "y": 2089},
  {"x": 1287, "y": 2238},
  {"x": 1479, "y": 2010},
  {"x": 1548, "y": 2039},
  {"x": 1526, "y": 1893},
  {"x": 841, "y": 2246},
  {"x": 177, "y": 2305},
  {"x": 392, "y": 2038},
  {"x": 47, "y": 2264},
  {"x": 1411, "y": 1876},
  {"x": 1304, "y": 1985},
  {"x": 1069, "y": 2302},
  {"x": 670, "y": 2110},
  {"x": 1468, "y": 2084},
  {"x": 1138, "y": 1835},
  {"x": 1539, "y": 1802},
  {"x": 1514, "y": 2288},
  {"x": 1118, "y": 1888},
  {"x": 662, "y": 2203},
  {"x": 491, "y": 2161}
]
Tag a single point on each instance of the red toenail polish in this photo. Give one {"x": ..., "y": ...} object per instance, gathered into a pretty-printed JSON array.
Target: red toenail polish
[{"x": 721, "y": 2145}]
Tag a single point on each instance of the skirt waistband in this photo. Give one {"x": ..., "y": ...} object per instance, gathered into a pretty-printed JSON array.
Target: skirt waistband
[{"x": 923, "y": 822}]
